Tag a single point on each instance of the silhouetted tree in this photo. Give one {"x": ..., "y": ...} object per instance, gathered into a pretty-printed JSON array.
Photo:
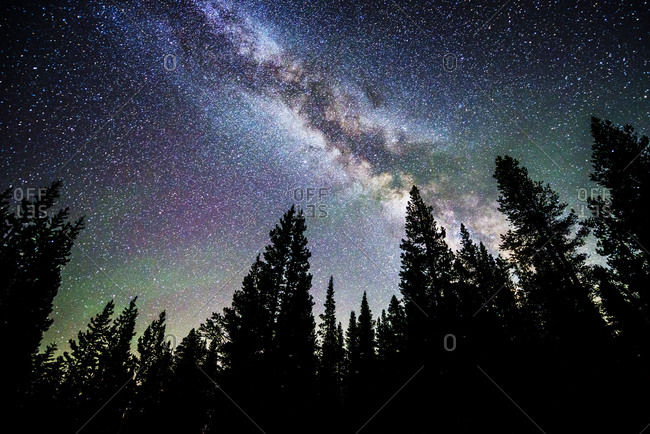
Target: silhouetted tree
[
  {"x": 366, "y": 330},
  {"x": 487, "y": 308},
  {"x": 36, "y": 244},
  {"x": 331, "y": 353},
  {"x": 118, "y": 370},
  {"x": 383, "y": 332},
  {"x": 248, "y": 329},
  {"x": 296, "y": 329},
  {"x": 545, "y": 252},
  {"x": 353, "y": 355},
  {"x": 270, "y": 350},
  {"x": 246, "y": 323},
  {"x": 621, "y": 169},
  {"x": 99, "y": 364},
  {"x": 188, "y": 389},
  {"x": 340, "y": 337},
  {"x": 545, "y": 245},
  {"x": 85, "y": 358},
  {"x": 152, "y": 377},
  {"x": 426, "y": 278},
  {"x": 391, "y": 336},
  {"x": 213, "y": 332},
  {"x": 47, "y": 372}
]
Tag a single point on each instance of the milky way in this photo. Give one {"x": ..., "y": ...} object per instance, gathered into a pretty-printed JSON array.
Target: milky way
[{"x": 183, "y": 130}]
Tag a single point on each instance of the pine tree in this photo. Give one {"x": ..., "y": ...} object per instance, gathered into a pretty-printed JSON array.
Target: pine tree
[
  {"x": 622, "y": 171},
  {"x": 98, "y": 363},
  {"x": 470, "y": 275},
  {"x": 213, "y": 331},
  {"x": 117, "y": 367},
  {"x": 366, "y": 330},
  {"x": 391, "y": 345},
  {"x": 277, "y": 256},
  {"x": 43, "y": 394},
  {"x": 36, "y": 244},
  {"x": 426, "y": 277},
  {"x": 246, "y": 323},
  {"x": 330, "y": 352},
  {"x": 189, "y": 354},
  {"x": 47, "y": 374},
  {"x": 491, "y": 289},
  {"x": 621, "y": 165},
  {"x": 396, "y": 325},
  {"x": 152, "y": 377},
  {"x": 487, "y": 308},
  {"x": 249, "y": 375},
  {"x": 296, "y": 328},
  {"x": 270, "y": 350},
  {"x": 120, "y": 363},
  {"x": 83, "y": 361},
  {"x": 352, "y": 345},
  {"x": 340, "y": 346},
  {"x": 545, "y": 253},
  {"x": 83, "y": 368},
  {"x": 188, "y": 390},
  {"x": 383, "y": 338}
]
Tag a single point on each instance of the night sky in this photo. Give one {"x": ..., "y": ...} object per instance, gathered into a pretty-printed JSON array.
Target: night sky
[{"x": 183, "y": 130}]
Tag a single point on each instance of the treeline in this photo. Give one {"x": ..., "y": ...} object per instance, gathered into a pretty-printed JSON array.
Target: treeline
[{"x": 536, "y": 341}]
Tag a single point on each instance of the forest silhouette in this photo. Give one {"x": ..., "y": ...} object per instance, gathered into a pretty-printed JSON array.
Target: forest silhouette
[{"x": 538, "y": 340}]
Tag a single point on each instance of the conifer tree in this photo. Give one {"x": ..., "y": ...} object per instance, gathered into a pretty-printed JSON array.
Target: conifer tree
[
  {"x": 189, "y": 354},
  {"x": 396, "y": 326},
  {"x": 487, "y": 303},
  {"x": 84, "y": 366},
  {"x": 621, "y": 169},
  {"x": 117, "y": 367},
  {"x": 471, "y": 275},
  {"x": 189, "y": 387},
  {"x": 43, "y": 397},
  {"x": 383, "y": 332},
  {"x": 330, "y": 352},
  {"x": 546, "y": 254},
  {"x": 340, "y": 345},
  {"x": 99, "y": 362},
  {"x": 120, "y": 362},
  {"x": 352, "y": 345},
  {"x": 152, "y": 377},
  {"x": 212, "y": 330},
  {"x": 366, "y": 330},
  {"x": 87, "y": 352},
  {"x": 277, "y": 256},
  {"x": 426, "y": 277},
  {"x": 36, "y": 244},
  {"x": 621, "y": 165},
  {"x": 246, "y": 323},
  {"x": 352, "y": 361},
  {"x": 296, "y": 329},
  {"x": 248, "y": 328},
  {"x": 270, "y": 345},
  {"x": 47, "y": 373}
]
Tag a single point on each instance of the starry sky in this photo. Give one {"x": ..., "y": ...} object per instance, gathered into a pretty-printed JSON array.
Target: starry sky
[{"x": 184, "y": 129}]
